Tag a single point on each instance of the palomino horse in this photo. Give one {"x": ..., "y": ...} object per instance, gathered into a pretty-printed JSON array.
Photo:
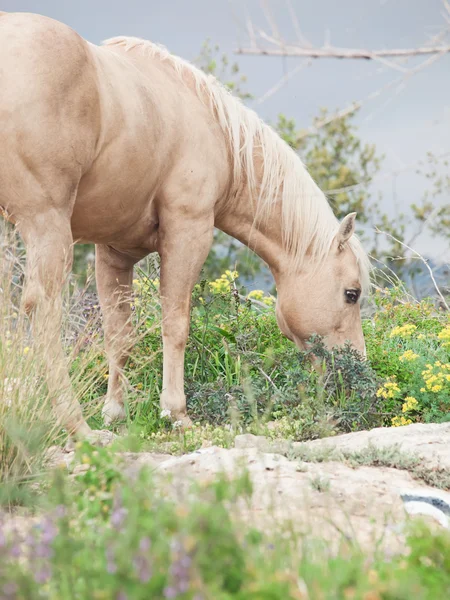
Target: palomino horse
[{"x": 137, "y": 151}]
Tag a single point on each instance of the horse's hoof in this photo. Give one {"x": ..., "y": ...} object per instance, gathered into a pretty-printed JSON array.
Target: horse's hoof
[
  {"x": 182, "y": 422},
  {"x": 113, "y": 411}
]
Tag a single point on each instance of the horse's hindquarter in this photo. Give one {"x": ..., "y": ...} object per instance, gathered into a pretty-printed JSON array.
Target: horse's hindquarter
[{"x": 48, "y": 114}]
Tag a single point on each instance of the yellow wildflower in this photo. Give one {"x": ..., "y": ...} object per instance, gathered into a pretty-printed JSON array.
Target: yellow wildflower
[
  {"x": 256, "y": 294},
  {"x": 444, "y": 335},
  {"x": 268, "y": 300},
  {"x": 403, "y": 331},
  {"x": 26, "y": 350},
  {"x": 435, "y": 377},
  {"x": 259, "y": 295},
  {"x": 408, "y": 356},
  {"x": 400, "y": 421},
  {"x": 409, "y": 404},
  {"x": 388, "y": 390},
  {"x": 223, "y": 284}
]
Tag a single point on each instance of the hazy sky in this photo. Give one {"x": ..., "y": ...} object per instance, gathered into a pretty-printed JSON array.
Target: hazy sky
[{"x": 405, "y": 122}]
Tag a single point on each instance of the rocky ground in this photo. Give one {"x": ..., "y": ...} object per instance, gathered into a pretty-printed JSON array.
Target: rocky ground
[
  {"x": 361, "y": 487},
  {"x": 337, "y": 489}
]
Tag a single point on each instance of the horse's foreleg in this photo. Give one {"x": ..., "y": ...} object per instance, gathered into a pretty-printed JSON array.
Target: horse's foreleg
[
  {"x": 48, "y": 241},
  {"x": 114, "y": 274},
  {"x": 183, "y": 247}
]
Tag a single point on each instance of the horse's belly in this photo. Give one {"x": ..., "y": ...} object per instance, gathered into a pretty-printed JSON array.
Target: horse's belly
[
  {"x": 115, "y": 200},
  {"x": 112, "y": 216}
]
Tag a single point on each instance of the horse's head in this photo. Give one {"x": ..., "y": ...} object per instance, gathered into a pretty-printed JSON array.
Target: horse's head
[{"x": 324, "y": 300}]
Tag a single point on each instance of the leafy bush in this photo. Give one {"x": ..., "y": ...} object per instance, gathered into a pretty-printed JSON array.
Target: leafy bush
[{"x": 241, "y": 369}]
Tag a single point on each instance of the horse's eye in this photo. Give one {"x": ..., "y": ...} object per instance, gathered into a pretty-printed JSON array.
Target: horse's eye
[{"x": 352, "y": 296}]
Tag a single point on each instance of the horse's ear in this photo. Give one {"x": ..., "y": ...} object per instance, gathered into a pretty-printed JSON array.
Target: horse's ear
[{"x": 346, "y": 230}]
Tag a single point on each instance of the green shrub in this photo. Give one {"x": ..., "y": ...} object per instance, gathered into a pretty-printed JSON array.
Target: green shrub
[{"x": 241, "y": 369}]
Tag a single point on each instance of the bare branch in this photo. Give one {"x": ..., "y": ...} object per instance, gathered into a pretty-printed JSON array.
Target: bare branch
[
  {"x": 271, "y": 91},
  {"x": 447, "y": 8},
  {"x": 347, "y": 53},
  {"x": 354, "y": 106},
  {"x": 270, "y": 20},
  {"x": 303, "y": 41}
]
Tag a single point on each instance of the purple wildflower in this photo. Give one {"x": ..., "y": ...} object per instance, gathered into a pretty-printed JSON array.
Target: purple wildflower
[
  {"x": 43, "y": 574},
  {"x": 10, "y": 590},
  {"x": 179, "y": 571},
  {"x": 141, "y": 562},
  {"x": 43, "y": 550},
  {"x": 143, "y": 568},
  {"x": 121, "y": 596},
  {"x": 111, "y": 566},
  {"x": 15, "y": 550},
  {"x": 144, "y": 544},
  {"x": 49, "y": 531},
  {"x": 118, "y": 517}
]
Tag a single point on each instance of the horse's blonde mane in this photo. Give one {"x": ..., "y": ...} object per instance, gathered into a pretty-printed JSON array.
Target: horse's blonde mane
[{"x": 308, "y": 223}]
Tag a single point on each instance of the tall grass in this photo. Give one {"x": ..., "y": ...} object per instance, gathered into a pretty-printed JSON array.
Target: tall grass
[{"x": 28, "y": 426}]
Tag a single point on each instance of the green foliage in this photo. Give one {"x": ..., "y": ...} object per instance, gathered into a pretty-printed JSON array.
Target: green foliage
[
  {"x": 97, "y": 482},
  {"x": 147, "y": 544},
  {"x": 242, "y": 373},
  {"x": 408, "y": 345}
]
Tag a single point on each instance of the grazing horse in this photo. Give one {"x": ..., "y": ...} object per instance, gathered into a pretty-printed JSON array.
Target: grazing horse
[{"x": 135, "y": 150}]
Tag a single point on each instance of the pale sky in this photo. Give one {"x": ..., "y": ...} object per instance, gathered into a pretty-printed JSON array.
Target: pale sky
[{"x": 405, "y": 122}]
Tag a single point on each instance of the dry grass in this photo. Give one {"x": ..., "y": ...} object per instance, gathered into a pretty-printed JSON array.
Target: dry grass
[{"x": 27, "y": 422}]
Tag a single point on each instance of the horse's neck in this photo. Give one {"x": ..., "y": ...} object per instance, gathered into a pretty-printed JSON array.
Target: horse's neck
[{"x": 264, "y": 237}]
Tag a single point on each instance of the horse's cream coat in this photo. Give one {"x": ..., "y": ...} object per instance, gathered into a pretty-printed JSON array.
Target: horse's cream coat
[{"x": 137, "y": 151}]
